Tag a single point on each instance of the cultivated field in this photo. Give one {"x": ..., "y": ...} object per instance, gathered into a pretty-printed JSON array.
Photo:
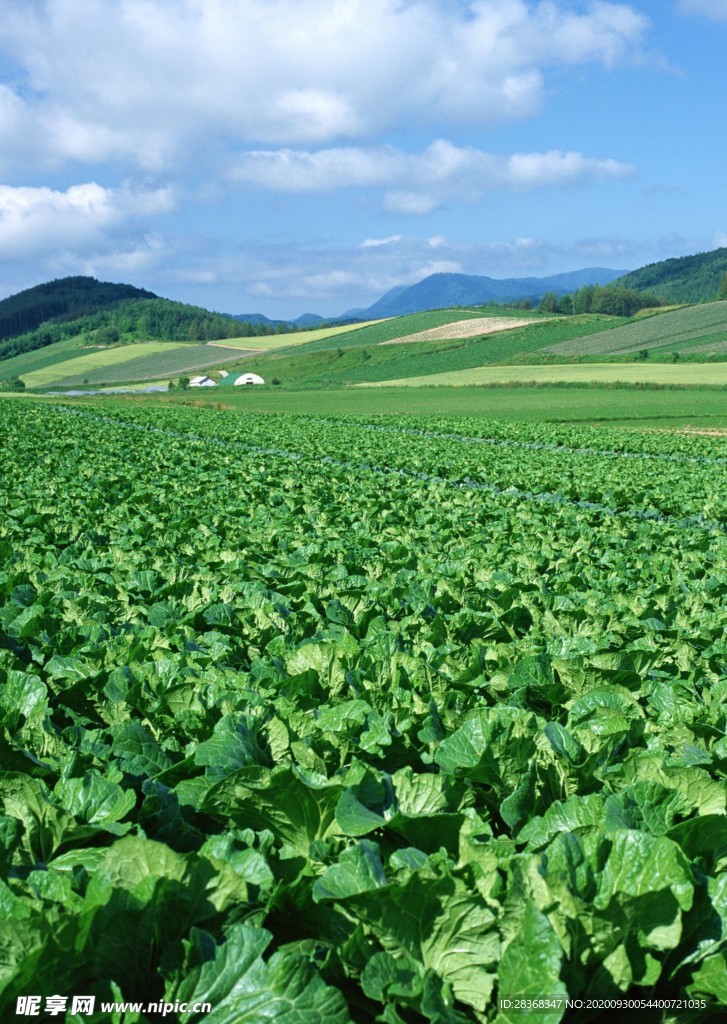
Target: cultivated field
[
  {"x": 679, "y": 329},
  {"x": 572, "y": 373},
  {"x": 466, "y": 329},
  {"x": 371, "y": 720},
  {"x": 270, "y": 342},
  {"x": 168, "y": 361},
  {"x": 105, "y": 360}
]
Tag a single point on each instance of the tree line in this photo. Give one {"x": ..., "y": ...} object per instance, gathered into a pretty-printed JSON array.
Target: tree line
[{"x": 610, "y": 300}]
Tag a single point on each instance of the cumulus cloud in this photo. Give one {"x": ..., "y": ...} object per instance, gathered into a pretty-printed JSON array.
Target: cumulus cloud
[
  {"x": 418, "y": 183},
  {"x": 154, "y": 83},
  {"x": 42, "y": 221}
]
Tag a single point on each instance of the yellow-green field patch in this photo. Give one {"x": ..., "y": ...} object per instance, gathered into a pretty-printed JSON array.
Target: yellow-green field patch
[
  {"x": 274, "y": 341},
  {"x": 584, "y": 373},
  {"x": 96, "y": 360}
]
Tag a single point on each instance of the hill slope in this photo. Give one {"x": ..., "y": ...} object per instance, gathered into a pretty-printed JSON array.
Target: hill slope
[
  {"x": 64, "y": 299},
  {"x": 683, "y": 279}
]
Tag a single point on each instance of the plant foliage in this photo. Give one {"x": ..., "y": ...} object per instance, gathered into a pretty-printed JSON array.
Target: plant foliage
[{"x": 343, "y": 720}]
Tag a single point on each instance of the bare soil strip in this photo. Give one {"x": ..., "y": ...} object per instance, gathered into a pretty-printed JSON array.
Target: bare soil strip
[{"x": 466, "y": 329}]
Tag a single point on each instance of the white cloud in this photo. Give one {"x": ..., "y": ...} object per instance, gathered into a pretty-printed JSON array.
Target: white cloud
[
  {"x": 714, "y": 9},
  {"x": 155, "y": 83},
  {"x": 419, "y": 183},
  {"x": 370, "y": 243},
  {"x": 45, "y": 221},
  {"x": 283, "y": 281}
]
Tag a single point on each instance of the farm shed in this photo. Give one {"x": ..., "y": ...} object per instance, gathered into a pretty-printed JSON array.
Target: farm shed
[
  {"x": 249, "y": 378},
  {"x": 202, "y": 382}
]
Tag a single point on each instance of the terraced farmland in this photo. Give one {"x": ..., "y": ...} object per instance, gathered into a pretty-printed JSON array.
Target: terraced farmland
[
  {"x": 168, "y": 360},
  {"x": 99, "y": 363},
  {"x": 689, "y": 329},
  {"x": 374, "y": 721}
]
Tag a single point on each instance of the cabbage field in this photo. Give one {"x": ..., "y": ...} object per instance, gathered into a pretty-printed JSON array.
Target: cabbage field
[{"x": 343, "y": 721}]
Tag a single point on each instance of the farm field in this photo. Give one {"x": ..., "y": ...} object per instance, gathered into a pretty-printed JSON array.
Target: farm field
[
  {"x": 105, "y": 360},
  {"x": 664, "y": 408},
  {"x": 274, "y": 341},
  {"x": 377, "y": 720},
  {"x": 323, "y": 364},
  {"x": 682, "y": 329},
  {"x": 466, "y": 329},
  {"x": 169, "y": 360},
  {"x": 403, "y": 326},
  {"x": 572, "y": 373}
]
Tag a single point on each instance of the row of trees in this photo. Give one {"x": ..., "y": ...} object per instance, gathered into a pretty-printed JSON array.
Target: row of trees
[{"x": 611, "y": 300}]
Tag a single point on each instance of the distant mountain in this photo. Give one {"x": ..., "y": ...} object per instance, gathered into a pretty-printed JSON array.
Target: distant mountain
[
  {"x": 256, "y": 319},
  {"x": 438, "y": 291},
  {"x": 65, "y": 299},
  {"x": 695, "y": 278},
  {"x": 306, "y": 320}
]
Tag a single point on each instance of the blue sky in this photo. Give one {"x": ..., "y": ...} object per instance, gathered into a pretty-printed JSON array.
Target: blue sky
[{"x": 291, "y": 156}]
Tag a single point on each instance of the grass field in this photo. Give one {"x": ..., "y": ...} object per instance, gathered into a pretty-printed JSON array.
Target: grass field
[
  {"x": 627, "y": 406},
  {"x": 573, "y": 373}
]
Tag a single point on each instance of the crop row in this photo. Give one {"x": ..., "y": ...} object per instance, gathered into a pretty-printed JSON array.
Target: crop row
[{"x": 296, "y": 724}]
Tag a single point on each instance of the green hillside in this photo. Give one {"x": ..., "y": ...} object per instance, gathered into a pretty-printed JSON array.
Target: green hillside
[
  {"x": 698, "y": 278},
  {"x": 698, "y": 331},
  {"x": 371, "y": 359}
]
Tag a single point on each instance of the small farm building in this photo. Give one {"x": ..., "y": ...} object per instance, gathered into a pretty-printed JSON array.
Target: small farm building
[
  {"x": 202, "y": 382},
  {"x": 249, "y": 378}
]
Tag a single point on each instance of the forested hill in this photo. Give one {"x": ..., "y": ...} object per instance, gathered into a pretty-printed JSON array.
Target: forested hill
[
  {"x": 132, "y": 320},
  {"x": 100, "y": 313},
  {"x": 65, "y": 299},
  {"x": 699, "y": 278}
]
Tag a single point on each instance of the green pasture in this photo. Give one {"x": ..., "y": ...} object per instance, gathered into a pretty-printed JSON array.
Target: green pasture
[
  {"x": 624, "y": 405},
  {"x": 674, "y": 374}
]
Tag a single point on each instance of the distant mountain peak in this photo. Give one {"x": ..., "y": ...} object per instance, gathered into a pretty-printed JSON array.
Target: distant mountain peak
[{"x": 440, "y": 290}]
